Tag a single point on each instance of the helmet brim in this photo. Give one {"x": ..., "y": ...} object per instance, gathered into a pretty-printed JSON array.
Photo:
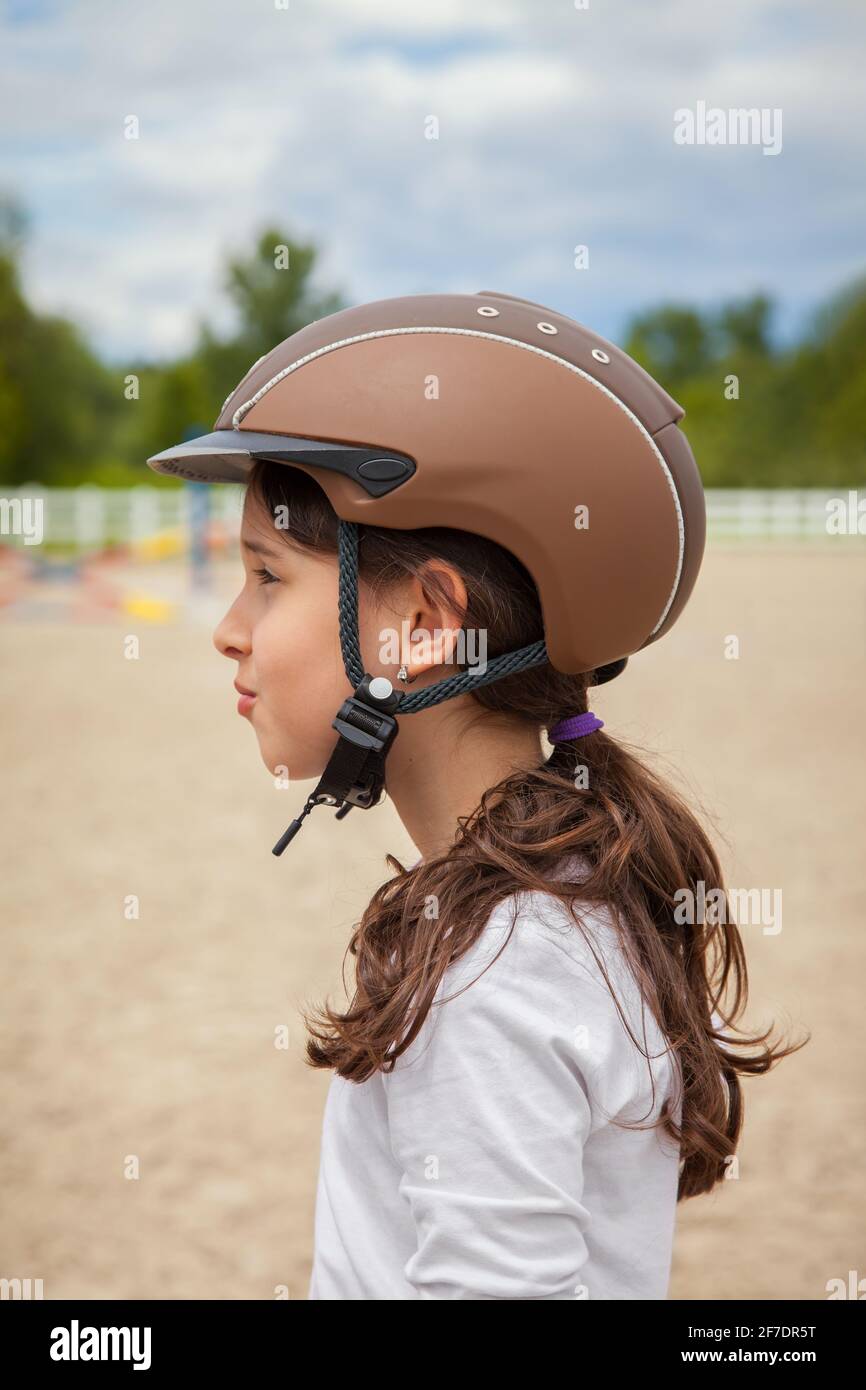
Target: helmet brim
[{"x": 227, "y": 456}]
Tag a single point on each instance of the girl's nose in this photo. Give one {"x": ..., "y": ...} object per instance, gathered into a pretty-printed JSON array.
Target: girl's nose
[{"x": 231, "y": 635}]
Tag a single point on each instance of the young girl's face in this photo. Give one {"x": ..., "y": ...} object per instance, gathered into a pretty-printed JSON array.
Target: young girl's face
[{"x": 283, "y": 632}]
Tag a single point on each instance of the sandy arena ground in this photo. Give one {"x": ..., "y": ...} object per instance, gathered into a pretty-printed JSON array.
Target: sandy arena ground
[{"x": 152, "y": 1040}]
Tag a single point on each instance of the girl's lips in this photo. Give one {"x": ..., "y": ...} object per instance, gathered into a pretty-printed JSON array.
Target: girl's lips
[{"x": 245, "y": 703}]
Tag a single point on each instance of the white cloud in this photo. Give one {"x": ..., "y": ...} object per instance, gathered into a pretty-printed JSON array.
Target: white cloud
[{"x": 555, "y": 128}]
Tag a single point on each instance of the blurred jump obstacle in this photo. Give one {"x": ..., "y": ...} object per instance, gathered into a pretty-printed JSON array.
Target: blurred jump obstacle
[{"x": 146, "y": 552}]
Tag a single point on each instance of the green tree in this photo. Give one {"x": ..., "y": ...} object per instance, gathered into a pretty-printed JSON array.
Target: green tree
[
  {"x": 673, "y": 343},
  {"x": 744, "y": 327},
  {"x": 797, "y": 417},
  {"x": 57, "y": 402},
  {"x": 272, "y": 297}
]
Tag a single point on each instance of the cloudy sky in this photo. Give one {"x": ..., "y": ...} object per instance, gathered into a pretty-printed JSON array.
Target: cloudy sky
[{"x": 555, "y": 129}]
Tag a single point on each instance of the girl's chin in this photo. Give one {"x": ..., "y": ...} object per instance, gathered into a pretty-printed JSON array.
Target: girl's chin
[{"x": 293, "y": 765}]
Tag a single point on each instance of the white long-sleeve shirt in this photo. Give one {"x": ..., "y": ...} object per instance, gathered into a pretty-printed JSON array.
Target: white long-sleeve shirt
[{"x": 486, "y": 1166}]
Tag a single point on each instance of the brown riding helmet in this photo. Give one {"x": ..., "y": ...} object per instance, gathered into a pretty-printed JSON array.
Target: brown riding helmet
[{"x": 493, "y": 415}]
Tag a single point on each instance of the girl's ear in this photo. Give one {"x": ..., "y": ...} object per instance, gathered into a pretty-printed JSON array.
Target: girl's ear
[
  {"x": 442, "y": 595},
  {"x": 439, "y": 599},
  {"x": 430, "y": 648},
  {"x": 419, "y": 621}
]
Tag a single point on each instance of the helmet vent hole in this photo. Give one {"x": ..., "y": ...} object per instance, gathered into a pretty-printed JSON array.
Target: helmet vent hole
[
  {"x": 547, "y": 328},
  {"x": 487, "y": 311},
  {"x": 599, "y": 355}
]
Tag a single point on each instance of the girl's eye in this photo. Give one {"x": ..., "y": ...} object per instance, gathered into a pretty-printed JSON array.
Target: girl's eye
[{"x": 265, "y": 576}]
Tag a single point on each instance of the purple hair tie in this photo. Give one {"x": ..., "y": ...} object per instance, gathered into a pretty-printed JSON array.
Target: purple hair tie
[{"x": 575, "y": 727}]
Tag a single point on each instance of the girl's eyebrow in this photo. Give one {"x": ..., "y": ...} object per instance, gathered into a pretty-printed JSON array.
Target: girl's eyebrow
[{"x": 259, "y": 548}]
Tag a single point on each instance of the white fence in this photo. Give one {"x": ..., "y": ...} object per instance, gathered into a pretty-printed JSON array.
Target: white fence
[
  {"x": 89, "y": 518},
  {"x": 785, "y": 513}
]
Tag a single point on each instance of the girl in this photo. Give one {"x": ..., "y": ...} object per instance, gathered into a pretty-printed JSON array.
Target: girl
[{"x": 534, "y": 1067}]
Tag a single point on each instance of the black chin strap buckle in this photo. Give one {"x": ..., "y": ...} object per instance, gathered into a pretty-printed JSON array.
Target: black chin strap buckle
[{"x": 355, "y": 773}]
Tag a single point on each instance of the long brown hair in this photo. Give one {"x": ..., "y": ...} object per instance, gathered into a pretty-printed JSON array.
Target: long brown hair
[{"x": 642, "y": 844}]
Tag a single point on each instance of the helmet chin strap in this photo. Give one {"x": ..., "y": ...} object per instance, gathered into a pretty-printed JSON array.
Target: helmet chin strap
[
  {"x": 355, "y": 773},
  {"x": 366, "y": 722}
]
